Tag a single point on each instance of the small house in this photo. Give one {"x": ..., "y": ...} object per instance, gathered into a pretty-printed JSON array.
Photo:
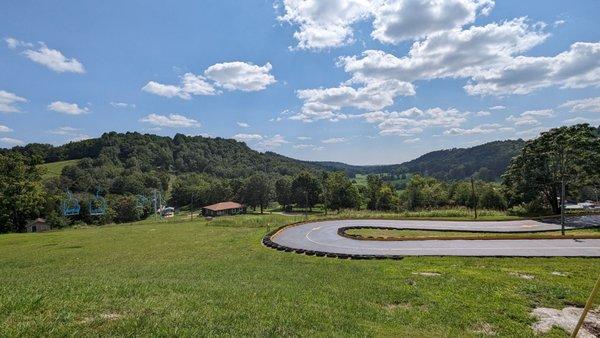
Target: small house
[
  {"x": 224, "y": 208},
  {"x": 37, "y": 225}
]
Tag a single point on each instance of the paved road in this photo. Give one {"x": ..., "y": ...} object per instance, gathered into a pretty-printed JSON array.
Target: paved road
[{"x": 322, "y": 236}]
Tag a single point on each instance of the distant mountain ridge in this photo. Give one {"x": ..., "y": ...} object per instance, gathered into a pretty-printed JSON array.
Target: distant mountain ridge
[{"x": 229, "y": 158}]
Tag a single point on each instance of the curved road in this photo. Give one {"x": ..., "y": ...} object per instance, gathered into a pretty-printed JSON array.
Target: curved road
[{"x": 323, "y": 236}]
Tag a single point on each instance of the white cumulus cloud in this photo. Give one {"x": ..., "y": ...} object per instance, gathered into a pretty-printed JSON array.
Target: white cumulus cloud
[
  {"x": 247, "y": 137},
  {"x": 11, "y": 141},
  {"x": 5, "y": 129},
  {"x": 240, "y": 75},
  {"x": 54, "y": 60},
  {"x": 9, "y": 102},
  {"x": 591, "y": 105},
  {"x": 67, "y": 108},
  {"x": 171, "y": 121}
]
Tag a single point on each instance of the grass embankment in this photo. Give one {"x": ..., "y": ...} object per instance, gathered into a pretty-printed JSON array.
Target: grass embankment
[
  {"x": 453, "y": 214},
  {"x": 54, "y": 169},
  {"x": 200, "y": 278},
  {"x": 408, "y": 234}
]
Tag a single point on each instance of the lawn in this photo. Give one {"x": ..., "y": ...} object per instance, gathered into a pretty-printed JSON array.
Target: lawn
[
  {"x": 54, "y": 169},
  {"x": 200, "y": 278},
  {"x": 409, "y": 234}
]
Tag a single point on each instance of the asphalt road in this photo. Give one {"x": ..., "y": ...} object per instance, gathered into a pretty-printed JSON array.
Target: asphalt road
[{"x": 323, "y": 236}]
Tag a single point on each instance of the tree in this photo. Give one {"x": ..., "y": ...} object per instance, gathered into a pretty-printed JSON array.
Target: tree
[
  {"x": 126, "y": 209},
  {"x": 21, "y": 193},
  {"x": 340, "y": 192},
  {"x": 387, "y": 199},
  {"x": 374, "y": 183},
  {"x": 306, "y": 190},
  {"x": 569, "y": 155},
  {"x": 283, "y": 191},
  {"x": 257, "y": 190},
  {"x": 490, "y": 197},
  {"x": 425, "y": 192}
]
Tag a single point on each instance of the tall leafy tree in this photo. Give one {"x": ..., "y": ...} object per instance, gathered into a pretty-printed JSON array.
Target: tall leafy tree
[
  {"x": 340, "y": 192},
  {"x": 283, "y": 191},
  {"x": 257, "y": 191},
  {"x": 21, "y": 193},
  {"x": 306, "y": 190},
  {"x": 374, "y": 184},
  {"x": 569, "y": 155}
]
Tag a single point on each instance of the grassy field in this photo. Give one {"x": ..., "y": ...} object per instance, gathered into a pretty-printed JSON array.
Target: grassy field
[
  {"x": 204, "y": 278},
  {"x": 54, "y": 169},
  {"x": 426, "y": 234}
]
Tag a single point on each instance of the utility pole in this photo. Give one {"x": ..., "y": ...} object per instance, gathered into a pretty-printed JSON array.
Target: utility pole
[
  {"x": 562, "y": 206},
  {"x": 192, "y": 207},
  {"x": 473, "y": 196}
]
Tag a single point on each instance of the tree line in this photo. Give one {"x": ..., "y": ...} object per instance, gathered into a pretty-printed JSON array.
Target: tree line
[{"x": 121, "y": 170}]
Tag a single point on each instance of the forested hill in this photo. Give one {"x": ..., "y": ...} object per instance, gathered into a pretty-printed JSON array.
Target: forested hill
[
  {"x": 227, "y": 158},
  {"x": 487, "y": 162}
]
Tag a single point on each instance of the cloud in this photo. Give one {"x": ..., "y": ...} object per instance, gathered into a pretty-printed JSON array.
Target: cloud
[
  {"x": 530, "y": 117},
  {"x": 328, "y": 24},
  {"x": 64, "y": 131},
  {"x": 11, "y": 141},
  {"x": 448, "y": 54},
  {"x": 578, "y": 67},
  {"x": 9, "y": 101},
  {"x": 67, "y": 108},
  {"x": 480, "y": 129},
  {"x": 335, "y": 140},
  {"x": 230, "y": 75},
  {"x": 591, "y": 105},
  {"x": 308, "y": 146},
  {"x": 240, "y": 75},
  {"x": 304, "y": 138},
  {"x": 5, "y": 129},
  {"x": 577, "y": 120},
  {"x": 414, "y": 120},
  {"x": 54, "y": 60},
  {"x": 497, "y": 108},
  {"x": 243, "y": 124},
  {"x": 531, "y": 133},
  {"x": 272, "y": 142},
  {"x": 247, "y": 137},
  {"x": 122, "y": 105},
  {"x": 191, "y": 84},
  {"x": 400, "y": 20},
  {"x": 412, "y": 140},
  {"x": 482, "y": 113},
  {"x": 325, "y": 103},
  {"x": 13, "y": 43},
  {"x": 171, "y": 121}
]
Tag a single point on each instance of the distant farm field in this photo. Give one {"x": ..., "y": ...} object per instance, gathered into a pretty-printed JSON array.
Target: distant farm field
[
  {"x": 203, "y": 278},
  {"x": 54, "y": 169}
]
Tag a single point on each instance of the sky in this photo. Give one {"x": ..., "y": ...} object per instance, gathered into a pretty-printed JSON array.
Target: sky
[{"x": 355, "y": 81}]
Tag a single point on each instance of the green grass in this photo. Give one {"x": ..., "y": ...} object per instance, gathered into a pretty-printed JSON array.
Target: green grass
[
  {"x": 428, "y": 234},
  {"x": 54, "y": 169},
  {"x": 458, "y": 214},
  {"x": 207, "y": 278}
]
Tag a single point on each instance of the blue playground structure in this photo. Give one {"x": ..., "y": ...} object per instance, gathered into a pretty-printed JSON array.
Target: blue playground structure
[
  {"x": 97, "y": 205},
  {"x": 70, "y": 205}
]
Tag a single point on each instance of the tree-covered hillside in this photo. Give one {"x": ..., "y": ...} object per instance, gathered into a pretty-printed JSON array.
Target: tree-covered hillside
[{"x": 486, "y": 162}]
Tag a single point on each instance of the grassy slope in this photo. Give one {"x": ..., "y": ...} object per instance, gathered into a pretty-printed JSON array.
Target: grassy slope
[
  {"x": 215, "y": 278},
  {"x": 54, "y": 169}
]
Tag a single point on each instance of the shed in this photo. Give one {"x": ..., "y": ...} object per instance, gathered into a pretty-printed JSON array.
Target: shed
[
  {"x": 224, "y": 208},
  {"x": 37, "y": 225}
]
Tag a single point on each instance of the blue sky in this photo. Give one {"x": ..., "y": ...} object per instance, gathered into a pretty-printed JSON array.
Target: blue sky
[{"x": 362, "y": 82}]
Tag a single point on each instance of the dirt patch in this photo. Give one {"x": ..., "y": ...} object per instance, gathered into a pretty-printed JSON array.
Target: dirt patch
[
  {"x": 558, "y": 273},
  {"x": 567, "y": 320},
  {"x": 485, "y": 329},
  {"x": 522, "y": 275},
  {"x": 428, "y": 274}
]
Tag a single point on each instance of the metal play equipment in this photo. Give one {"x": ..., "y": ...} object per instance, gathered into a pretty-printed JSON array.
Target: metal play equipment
[
  {"x": 97, "y": 205},
  {"x": 70, "y": 205}
]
